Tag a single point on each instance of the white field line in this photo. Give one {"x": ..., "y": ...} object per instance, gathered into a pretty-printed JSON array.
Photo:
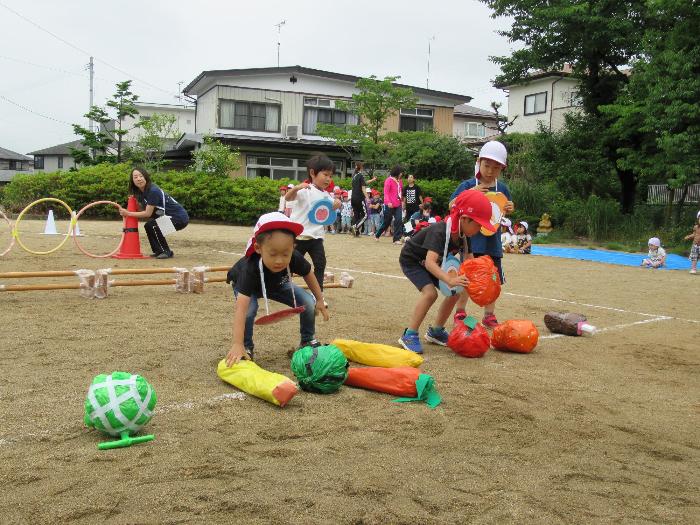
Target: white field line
[
  {"x": 600, "y": 307},
  {"x": 165, "y": 409}
]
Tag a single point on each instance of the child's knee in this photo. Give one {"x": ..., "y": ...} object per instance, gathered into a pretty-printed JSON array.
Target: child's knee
[{"x": 429, "y": 292}]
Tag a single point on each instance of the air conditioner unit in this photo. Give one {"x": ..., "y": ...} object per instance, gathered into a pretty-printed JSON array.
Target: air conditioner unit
[{"x": 293, "y": 131}]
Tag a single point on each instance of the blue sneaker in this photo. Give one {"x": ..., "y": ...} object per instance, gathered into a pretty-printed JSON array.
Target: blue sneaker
[
  {"x": 411, "y": 342},
  {"x": 437, "y": 335}
]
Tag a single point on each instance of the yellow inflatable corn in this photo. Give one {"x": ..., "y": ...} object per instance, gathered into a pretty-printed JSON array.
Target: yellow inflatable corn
[
  {"x": 377, "y": 355},
  {"x": 249, "y": 377}
]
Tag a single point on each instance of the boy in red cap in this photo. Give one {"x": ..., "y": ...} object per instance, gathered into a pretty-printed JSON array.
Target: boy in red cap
[
  {"x": 421, "y": 259},
  {"x": 266, "y": 272}
]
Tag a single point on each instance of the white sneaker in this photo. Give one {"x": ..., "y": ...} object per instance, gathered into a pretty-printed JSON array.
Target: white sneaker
[{"x": 693, "y": 272}]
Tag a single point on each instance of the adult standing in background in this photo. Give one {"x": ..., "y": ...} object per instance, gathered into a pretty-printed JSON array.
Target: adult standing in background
[
  {"x": 393, "y": 192},
  {"x": 357, "y": 200},
  {"x": 412, "y": 197}
]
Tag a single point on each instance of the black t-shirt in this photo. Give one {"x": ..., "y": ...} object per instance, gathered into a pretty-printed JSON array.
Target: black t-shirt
[
  {"x": 358, "y": 181},
  {"x": 245, "y": 274},
  {"x": 412, "y": 196},
  {"x": 431, "y": 238}
]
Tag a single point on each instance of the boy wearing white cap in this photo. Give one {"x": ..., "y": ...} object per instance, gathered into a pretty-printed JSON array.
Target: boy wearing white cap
[
  {"x": 657, "y": 255},
  {"x": 489, "y": 166},
  {"x": 266, "y": 272}
]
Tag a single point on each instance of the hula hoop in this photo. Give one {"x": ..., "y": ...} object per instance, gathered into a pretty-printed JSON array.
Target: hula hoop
[
  {"x": 75, "y": 237},
  {"x": 15, "y": 230},
  {"x": 12, "y": 237}
]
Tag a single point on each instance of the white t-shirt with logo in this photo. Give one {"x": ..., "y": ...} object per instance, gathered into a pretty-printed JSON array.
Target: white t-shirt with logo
[{"x": 301, "y": 206}]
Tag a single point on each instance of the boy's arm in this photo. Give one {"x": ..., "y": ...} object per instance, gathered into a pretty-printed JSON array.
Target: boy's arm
[
  {"x": 238, "y": 328},
  {"x": 292, "y": 193},
  {"x": 336, "y": 204},
  {"x": 315, "y": 289},
  {"x": 433, "y": 267}
]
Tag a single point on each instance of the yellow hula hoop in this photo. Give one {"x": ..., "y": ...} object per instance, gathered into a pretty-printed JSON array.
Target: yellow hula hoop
[
  {"x": 12, "y": 236},
  {"x": 75, "y": 237},
  {"x": 15, "y": 230}
]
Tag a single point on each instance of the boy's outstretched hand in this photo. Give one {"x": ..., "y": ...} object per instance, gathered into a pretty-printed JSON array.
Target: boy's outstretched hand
[
  {"x": 457, "y": 280},
  {"x": 234, "y": 355},
  {"x": 321, "y": 309}
]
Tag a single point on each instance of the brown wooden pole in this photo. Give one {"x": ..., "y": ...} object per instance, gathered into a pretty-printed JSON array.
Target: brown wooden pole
[{"x": 114, "y": 271}]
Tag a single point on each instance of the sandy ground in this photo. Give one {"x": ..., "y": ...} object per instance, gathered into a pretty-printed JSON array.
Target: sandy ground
[{"x": 580, "y": 431}]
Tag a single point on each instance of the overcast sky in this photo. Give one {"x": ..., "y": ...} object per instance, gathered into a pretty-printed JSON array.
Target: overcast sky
[{"x": 158, "y": 43}]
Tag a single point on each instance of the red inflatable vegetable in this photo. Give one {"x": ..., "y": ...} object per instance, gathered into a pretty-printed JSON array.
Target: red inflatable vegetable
[
  {"x": 469, "y": 339},
  {"x": 397, "y": 381},
  {"x": 484, "y": 282},
  {"x": 515, "y": 335}
]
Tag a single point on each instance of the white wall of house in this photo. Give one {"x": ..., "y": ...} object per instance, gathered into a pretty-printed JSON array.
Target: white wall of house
[
  {"x": 184, "y": 118},
  {"x": 472, "y": 127},
  {"x": 276, "y": 89},
  {"x": 51, "y": 163},
  {"x": 560, "y": 94}
]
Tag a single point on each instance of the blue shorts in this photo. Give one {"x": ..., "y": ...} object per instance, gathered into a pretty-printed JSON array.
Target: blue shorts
[
  {"x": 497, "y": 262},
  {"x": 419, "y": 276}
]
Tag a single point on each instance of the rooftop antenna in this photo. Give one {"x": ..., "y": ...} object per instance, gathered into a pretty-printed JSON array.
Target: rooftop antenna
[
  {"x": 279, "y": 31},
  {"x": 427, "y": 78},
  {"x": 179, "y": 91}
]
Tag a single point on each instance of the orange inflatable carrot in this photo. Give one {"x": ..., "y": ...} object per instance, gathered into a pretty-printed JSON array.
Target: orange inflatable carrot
[{"x": 396, "y": 381}]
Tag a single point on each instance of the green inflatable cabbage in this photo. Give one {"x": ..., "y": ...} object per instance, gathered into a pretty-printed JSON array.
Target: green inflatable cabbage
[
  {"x": 120, "y": 404},
  {"x": 321, "y": 369}
]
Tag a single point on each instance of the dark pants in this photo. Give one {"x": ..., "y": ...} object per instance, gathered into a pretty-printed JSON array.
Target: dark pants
[
  {"x": 307, "y": 318},
  {"x": 315, "y": 249},
  {"x": 359, "y": 213},
  {"x": 396, "y": 215},
  {"x": 155, "y": 237}
]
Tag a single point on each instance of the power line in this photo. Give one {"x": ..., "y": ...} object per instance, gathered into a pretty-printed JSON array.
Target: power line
[
  {"x": 29, "y": 21},
  {"x": 2, "y": 97}
]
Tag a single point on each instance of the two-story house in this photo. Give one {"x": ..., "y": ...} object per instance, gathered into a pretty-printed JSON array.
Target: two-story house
[
  {"x": 271, "y": 115},
  {"x": 474, "y": 125},
  {"x": 541, "y": 98},
  {"x": 12, "y": 163}
]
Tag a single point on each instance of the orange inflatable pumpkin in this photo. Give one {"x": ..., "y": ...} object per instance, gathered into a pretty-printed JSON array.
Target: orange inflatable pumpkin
[
  {"x": 516, "y": 335},
  {"x": 484, "y": 281}
]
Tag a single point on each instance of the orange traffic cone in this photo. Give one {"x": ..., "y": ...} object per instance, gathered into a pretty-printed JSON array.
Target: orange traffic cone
[{"x": 131, "y": 247}]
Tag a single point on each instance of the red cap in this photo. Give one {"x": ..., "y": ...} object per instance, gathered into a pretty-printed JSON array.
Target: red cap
[
  {"x": 284, "y": 187},
  {"x": 344, "y": 193},
  {"x": 428, "y": 199},
  {"x": 475, "y": 205},
  {"x": 272, "y": 221}
]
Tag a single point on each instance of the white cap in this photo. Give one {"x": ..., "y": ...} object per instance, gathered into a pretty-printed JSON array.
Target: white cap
[
  {"x": 526, "y": 225},
  {"x": 290, "y": 186},
  {"x": 505, "y": 221},
  {"x": 654, "y": 241},
  {"x": 494, "y": 150}
]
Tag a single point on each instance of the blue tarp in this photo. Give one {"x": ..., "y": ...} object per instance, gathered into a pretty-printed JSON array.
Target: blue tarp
[{"x": 673, "y": 261}]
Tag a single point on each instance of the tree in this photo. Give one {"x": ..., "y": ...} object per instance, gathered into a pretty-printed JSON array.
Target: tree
[
  {"x": 428, "y": 155},
  {"x": 151, "y": 144},
  {"x": 215, "y": 157},
  {"x": 502, "y": 122},
  {"x": 598, "y": 38},
  {"x": 376, "y": 101},
  {"x": 657, "y": 117},
  {"x": 100, "y": 143}
]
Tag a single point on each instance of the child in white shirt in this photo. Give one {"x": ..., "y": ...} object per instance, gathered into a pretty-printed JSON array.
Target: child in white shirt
[
  {"x": 345, "y": 214},
  {"x": 523, "y": 240},
  {"x": 657, "y": 255},
  {"x": 507, "y": 235}
]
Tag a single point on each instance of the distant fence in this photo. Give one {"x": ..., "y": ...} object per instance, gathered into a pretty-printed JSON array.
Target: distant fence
[{"x": 660, "y": 194}]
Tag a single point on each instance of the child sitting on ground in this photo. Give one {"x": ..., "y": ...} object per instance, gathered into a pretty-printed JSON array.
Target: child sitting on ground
[
  {"x": 421, "y": 259},
  {"x": 695, "y": 249},
  {"x": 657, "y": 255},
  {"x": 422, "y": 215},
  {"x": 507, "y": 235},
  {"x": 266, "y": 272},
  {"x": 523, "y": 240}
]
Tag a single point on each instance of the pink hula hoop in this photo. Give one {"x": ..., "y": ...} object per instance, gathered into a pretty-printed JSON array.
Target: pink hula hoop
[{"x": 75, "y": 237}]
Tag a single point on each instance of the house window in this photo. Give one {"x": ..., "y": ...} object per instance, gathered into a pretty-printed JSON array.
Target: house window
[
  {"x": 474, "y": 129},
  {"x": 418, "y": 119},
  {"x": 536, "y": 103},
  {"x": 38, "y": 162},
  {"x": 315, "y": 116},
  {"x": 15, "y": 165},
  {"x": 249, "y": 116},
  {"x": 277, "y": 168},
  {"x": 320, "y": 102},
  {"x": 60, "y": 162}
]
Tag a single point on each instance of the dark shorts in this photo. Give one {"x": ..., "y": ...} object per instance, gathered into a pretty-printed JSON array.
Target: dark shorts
[
  {"x": 418, "y": 275},
  {"x": 497, "y": 262}
]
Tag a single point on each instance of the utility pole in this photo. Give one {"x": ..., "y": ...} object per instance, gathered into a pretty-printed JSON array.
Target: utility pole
[
  {"x": 427, "y": 78},
  {"x": 91, "y": 67},
  {"x": 279, "y": 31}
]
